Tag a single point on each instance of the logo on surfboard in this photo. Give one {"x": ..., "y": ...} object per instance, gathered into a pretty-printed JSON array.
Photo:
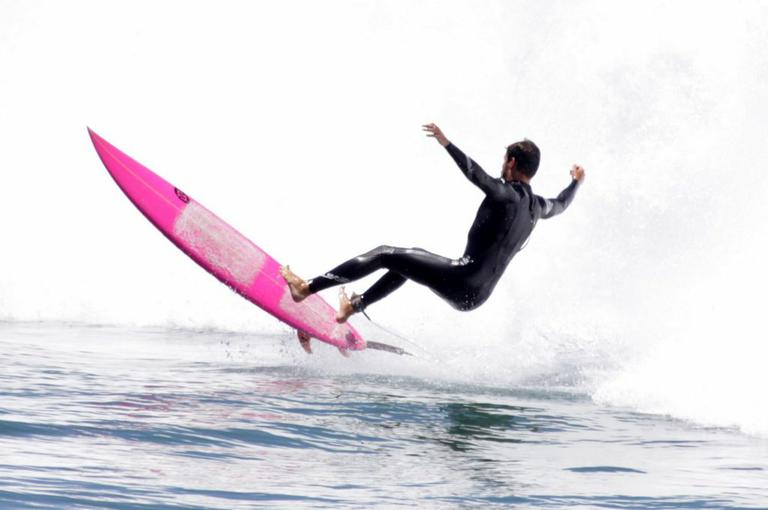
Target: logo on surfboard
[{"x": 182, "y": 196}]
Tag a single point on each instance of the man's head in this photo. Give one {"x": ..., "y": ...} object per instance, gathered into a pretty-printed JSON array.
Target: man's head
[{"x": 521, "y": 161}]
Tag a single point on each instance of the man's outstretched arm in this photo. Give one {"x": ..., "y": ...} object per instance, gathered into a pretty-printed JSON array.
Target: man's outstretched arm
[
  {"x": 468, "y": 166},
  {"x": 554, "y": 206}
]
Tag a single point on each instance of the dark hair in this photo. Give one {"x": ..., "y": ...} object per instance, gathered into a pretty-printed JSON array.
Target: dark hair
[{"x": 526, "y": 156}]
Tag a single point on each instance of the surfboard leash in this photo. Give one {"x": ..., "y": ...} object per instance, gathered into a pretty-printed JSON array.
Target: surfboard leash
[{"x": 399, "y": 336}]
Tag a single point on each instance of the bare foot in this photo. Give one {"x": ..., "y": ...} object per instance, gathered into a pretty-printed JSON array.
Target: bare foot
[
  {"x": 299, "y": 288},
  {"x": 304, "y": 339},
  {"x": 345, "y": 307}
]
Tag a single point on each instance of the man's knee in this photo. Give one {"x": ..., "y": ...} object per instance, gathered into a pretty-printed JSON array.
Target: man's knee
[
  {"x": 380, "y": 250},
  {"x": 376, "y": 256}
]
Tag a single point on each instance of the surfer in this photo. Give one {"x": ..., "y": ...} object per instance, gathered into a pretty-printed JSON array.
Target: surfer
[{"x": 503, "y": 222}]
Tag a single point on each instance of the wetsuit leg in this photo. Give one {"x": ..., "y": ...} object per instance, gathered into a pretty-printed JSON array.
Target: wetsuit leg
[
  {"x": 384, "y": 286},
  {"x": 353, "y": 269},
  {"x": 421, "y": 266}
]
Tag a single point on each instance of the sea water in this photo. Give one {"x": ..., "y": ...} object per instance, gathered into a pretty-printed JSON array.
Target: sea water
[{"x": 95, "y": 416}]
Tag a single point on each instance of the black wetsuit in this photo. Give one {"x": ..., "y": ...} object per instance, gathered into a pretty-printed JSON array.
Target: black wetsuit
[{"x": 503, "y": 223}]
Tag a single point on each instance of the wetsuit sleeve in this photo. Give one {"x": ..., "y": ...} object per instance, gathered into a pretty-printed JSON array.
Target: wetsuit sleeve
[
  {"x": 474, "y": 172},
  {"x": 554, "y": 206}
]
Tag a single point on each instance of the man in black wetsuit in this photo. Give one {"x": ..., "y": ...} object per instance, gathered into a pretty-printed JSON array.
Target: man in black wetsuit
[{"x": 503, "y": 223}]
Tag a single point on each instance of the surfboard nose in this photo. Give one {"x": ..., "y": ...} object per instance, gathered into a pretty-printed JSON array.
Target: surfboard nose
[{"x": 94, "y": 136}]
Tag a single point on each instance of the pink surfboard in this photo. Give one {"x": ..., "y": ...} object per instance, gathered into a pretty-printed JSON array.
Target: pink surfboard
[{"x": 224, "y": 252}]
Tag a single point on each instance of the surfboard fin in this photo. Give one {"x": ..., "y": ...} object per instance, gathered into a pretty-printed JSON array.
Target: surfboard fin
[
  {"x": 378, "y": 346},
  {"x": 304, "y": 339}
]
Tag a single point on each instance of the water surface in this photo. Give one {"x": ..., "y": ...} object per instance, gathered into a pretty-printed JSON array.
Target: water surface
[{"x": 108, "y": 417}]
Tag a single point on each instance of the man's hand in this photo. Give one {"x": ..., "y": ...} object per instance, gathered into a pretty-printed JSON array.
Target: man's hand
[
  {"x": 577, "y": 172},
  {"x": 436, "y": 133}
]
